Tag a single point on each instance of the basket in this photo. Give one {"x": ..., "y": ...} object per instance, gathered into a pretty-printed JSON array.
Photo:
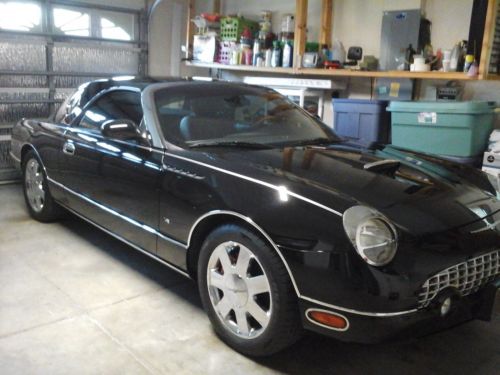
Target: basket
[
  {"x": 225, "y": 51},
  {"x": 232, "y": 27}
]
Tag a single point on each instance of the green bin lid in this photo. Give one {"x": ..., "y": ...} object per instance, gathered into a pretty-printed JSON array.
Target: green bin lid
[{"x": 469, "y": 107}]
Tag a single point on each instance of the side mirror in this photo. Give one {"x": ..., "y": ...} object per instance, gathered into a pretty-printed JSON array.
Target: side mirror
[{"x": 123, "y": 129}]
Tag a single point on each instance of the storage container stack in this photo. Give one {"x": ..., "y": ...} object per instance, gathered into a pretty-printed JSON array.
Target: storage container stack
[{"x": 457, "y": 131}]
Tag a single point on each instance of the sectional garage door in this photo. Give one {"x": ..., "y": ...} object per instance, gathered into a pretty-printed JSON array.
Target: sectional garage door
[{"x": 64, "y": 44}]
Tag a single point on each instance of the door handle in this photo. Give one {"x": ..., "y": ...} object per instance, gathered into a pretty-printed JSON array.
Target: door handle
[{"x": 69, "y": 148}]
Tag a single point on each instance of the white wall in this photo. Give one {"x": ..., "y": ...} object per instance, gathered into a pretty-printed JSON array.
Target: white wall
[{"x": 166, "y": 36}]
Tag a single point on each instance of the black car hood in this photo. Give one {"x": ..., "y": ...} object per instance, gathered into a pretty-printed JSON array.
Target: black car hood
[{"x": 419, "y": 193}]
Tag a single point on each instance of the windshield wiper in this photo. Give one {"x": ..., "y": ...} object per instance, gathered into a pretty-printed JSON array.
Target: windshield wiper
[
  {"x": 313, "y": 142},
  {"x": 241, "y": 144}
]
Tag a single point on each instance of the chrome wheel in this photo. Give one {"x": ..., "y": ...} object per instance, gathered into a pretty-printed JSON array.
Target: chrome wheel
[
  {"x": 33, "y": 179},
  {"x": 239, "y": 290}
]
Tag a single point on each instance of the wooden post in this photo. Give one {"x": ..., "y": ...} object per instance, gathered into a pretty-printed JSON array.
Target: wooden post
[
  {"x": 300, "y": 37},
  {"x": 216, "y": 7},
  {"x": 489, "y": 30},
  {"x": 189, "y": 28},
  {"x": 325, "y": 33}
]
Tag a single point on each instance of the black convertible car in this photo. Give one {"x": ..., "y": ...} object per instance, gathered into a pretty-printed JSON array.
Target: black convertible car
[{"x": 283, "y": 224}]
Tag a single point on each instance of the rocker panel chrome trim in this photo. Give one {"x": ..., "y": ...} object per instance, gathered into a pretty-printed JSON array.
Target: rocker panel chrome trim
[
  {"x": 119, "y": 215},
  {"x": 158, "y": 259}
]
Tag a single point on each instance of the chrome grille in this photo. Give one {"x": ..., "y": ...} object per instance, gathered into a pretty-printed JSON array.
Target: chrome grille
[{"x": 466, "y": 277}]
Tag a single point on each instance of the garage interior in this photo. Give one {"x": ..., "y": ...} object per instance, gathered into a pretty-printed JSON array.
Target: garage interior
[{"x": 76, "y": 300}]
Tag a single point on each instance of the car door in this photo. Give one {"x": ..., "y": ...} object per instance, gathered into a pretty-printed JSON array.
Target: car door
[{"x": 113, "y": 182}]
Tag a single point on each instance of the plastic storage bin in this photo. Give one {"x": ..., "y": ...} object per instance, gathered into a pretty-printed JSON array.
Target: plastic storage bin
[
  {"x": 232, "y": 27},
  {"x": 454, "y": 129},
  {"x": 363, "y": 120}
]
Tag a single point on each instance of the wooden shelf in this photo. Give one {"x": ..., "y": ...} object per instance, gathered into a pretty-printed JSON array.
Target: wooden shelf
[
  {"x": 247, "y": 68},
  {"x": 493, "y": 77},
  {"x": 325, "y": 38},
  {"x": 385, "y": 74},
  {"x": 337, "y": 72}
]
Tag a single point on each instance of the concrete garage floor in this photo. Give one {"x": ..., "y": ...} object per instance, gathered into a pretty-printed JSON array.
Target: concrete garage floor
[{"x": 74, "y": 300}]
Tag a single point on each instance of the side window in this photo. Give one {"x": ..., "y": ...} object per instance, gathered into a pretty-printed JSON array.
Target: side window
[
  {"x": 115, "y": 105},
  {"x": 70, "y": 109}
]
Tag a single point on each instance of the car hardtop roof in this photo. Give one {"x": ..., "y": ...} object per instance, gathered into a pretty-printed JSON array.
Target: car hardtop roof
[{"x": 94, "y": 87}]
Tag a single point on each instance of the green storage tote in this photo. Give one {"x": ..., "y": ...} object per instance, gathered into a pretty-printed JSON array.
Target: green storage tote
[
  {"x": 232, "y": 27},
  {"x": 443, "y": 128}
]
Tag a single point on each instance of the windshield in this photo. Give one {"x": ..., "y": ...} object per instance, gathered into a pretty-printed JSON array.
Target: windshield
[{"x": 205, "y": 114}]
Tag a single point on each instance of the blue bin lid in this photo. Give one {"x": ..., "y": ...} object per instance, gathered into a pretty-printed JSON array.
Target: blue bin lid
[
  {"x": 360, "y": 101},
  {"x": 468, "y": 107}
]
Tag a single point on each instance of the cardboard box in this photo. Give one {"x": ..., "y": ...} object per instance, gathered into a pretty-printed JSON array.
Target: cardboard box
[
  {"x": 204, "y": 48},
  {"x": 491, "y": 160}
]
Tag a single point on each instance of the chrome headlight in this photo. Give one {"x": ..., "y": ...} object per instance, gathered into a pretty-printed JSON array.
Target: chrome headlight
[{"x": 372, "y": 235}]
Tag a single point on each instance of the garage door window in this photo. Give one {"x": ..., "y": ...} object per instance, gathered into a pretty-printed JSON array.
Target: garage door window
[
  {"x": 88, "y": 22},
  {"x": 20, "y": 16},
  {"x": 72, "y": 22},
  {"x": 118, "y": 26}
]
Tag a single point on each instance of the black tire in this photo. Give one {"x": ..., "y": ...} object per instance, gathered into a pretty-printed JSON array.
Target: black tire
[
  {"x": 49, "y": 210},
  {"x": 284, "y": 326}
]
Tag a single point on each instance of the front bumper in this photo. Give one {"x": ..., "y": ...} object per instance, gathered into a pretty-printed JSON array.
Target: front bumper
[{"x": 363, "y": 328}]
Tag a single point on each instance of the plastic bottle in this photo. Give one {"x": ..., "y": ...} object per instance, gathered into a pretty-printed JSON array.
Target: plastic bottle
[
  {"x": 256, "y": 51},
  {"x": 338, "y": 51},
  {"x": 268, "y": 57},
  {"x": 287, "y": 55},
  {"x": 325, "y": 53},
  {"x": 276, "y": 56},
  {"x": 248, "y": 56},
  {"x": 469, "y": 60}
]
